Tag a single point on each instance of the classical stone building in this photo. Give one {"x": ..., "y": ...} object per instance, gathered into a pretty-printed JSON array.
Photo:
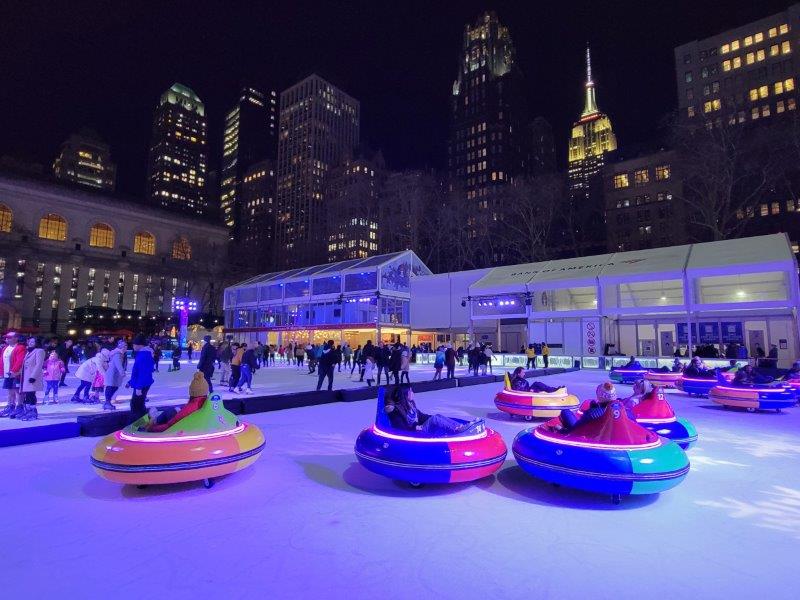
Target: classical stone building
[{"x": 64, "y": 249}]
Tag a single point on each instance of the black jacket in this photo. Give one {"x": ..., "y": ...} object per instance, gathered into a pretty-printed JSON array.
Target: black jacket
[{"x": 207, "y": 357}]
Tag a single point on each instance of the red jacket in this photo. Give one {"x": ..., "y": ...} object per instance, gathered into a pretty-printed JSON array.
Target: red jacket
[
  {"x": 17, "y": 358},
  {"x": 194, "y": 404}
]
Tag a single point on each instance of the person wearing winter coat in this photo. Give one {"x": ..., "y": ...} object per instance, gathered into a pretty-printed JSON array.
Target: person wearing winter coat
[
  {"x": 115, "y": 374},
  {"x": 236, "y": 365},
  {"x": 208, "y": 356},
  {"x": 369, "y": 370},
  {"x": 450, "y": 361},
  {"x": 405, "y": 366},
  {"x": 31, "y": 381},
  {"x": 65, "y": 352},
  {"x": 141, "y": 375},
  {"x": 247, "y": 368},
  {"x": 85, "y": 374},
  {"x": 11, "y": 361},
  {"x": 99, "y": 381},
  {"x": 53, "y": 369},
  {"x": 327, "y": 360}
]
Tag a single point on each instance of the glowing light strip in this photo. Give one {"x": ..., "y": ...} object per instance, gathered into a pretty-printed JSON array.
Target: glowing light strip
[
  {"x": 618, "y": 370},
  {"x": 545, "y": 395},
  {"x": 408, "y": 438},
  {"x": 183, "y": 438},
  {"x": 664, "y": 476},
  {"x": 779, "y": 390},
  {"x": 595, "y": 446},
  {"x": 657, "y": 421},
  {"x": 700, "y": 380}
]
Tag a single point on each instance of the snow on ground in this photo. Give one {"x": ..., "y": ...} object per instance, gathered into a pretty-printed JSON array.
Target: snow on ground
[{"x": 308, "y": 521}]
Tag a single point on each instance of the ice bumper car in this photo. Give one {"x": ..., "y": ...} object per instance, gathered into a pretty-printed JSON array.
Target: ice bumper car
[
  {"x": 655, "y": 414},
  {"x": 753, "y": 398},
  {"x": 208, "y": 443},
  {"x": 533, "y": 404},
  {"x": 662, "y": 378},
  {"x": 611, "y": 455},
  {"x": 626, "y": 376},
  {"x": 415, "y": 457}
]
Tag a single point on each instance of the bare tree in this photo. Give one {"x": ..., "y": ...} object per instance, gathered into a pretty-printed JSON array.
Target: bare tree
[{"x": 727, "y": 171}]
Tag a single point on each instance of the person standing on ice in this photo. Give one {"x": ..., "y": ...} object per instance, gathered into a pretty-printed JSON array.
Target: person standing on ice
[
  {"x": 141, "y": 375},
  {"x": 31, "y": 379},
  {"x": 115, "y": 374},
  {"x": 53, "y": 368},
  {"x": 208, "y": 355},
  {"x": 327, "y": 360},
  {"x": 10, "y": 367}
]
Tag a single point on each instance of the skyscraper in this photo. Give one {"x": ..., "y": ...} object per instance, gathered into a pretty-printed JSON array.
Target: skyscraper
[
  {"x": 353, "y": 205},
  {"x": 319, "y": 129},
  {"x": 490, "y": 140},
  {"x": 250, "y": 136},
  {"x": 257, "y": 215},
  {"x": 591, "y": 141},
  {"x": 86, "y": 159},
  {"x": 178, "y": 161}
]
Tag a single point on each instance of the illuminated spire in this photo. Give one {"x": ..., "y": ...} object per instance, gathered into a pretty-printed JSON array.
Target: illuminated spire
[{"x": 591, "y": 103}]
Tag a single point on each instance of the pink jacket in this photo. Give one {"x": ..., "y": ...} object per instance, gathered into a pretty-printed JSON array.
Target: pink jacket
[{"x": 53, "y": 368}]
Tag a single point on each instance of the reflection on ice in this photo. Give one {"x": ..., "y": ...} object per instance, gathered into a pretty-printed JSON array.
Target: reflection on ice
[
  {"x": 759, "y": 444},
  {"x": 780, "y": 510}
]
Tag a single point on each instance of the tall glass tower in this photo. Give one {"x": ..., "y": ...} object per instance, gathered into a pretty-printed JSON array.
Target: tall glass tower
[{"x": 178, "y": 163}]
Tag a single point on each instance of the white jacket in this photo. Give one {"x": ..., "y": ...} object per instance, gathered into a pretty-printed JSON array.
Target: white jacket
[
  {"x": 32, "y": 369},
  {"x": 86, "y": 370}
]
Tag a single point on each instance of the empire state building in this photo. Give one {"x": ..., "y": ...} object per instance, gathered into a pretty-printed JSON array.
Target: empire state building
[{"x": 591, "y": 141}]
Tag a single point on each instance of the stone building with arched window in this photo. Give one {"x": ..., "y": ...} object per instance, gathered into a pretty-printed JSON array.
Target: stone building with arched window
[{"x": 64, "y": 249}]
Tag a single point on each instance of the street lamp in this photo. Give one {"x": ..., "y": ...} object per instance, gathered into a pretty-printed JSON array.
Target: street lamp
[{"x": 183, "y": 306}]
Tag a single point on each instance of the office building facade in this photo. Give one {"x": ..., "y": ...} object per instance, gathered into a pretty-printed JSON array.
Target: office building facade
[
  {"x": 85, "y": 159},
  {"x": 178, "y": 161},
  {"x": 257, "y": 214},
  {"x": 318, "y": 130},
  {"x": 250, "y": 136},
  {"x": 644, "y": 202}
]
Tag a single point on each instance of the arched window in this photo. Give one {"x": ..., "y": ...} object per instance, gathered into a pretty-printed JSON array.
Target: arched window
[
  {"x": 144, "y": 243},
  {"x": 181, "y": 250},
  {"x": 6, "y": 218},
  {"x": 101, "y": 236},
  {"x": 53, "y": 227}
]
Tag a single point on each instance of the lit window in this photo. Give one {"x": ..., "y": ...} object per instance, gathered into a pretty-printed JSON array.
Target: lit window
[
  {"x": 786, "y": 47},
  {"x": 662, "y": 172},
  {"x": 53, "y": 227},
  {"x": 790, "y": 104},
  {"x": 773, "y": 31},
  {"x": 760, "y": 55},
  {"x": 748, "y": 41},
  {"x": 734, "y": 45},
  {"x": 788, "y": 85},
  {"x": 784, "y": 28},
  {"x": 641, "y": 176},
  {"x": 181, "y": 250},
  {"x": 737, "y": 62},
  {"x": 144, "y": 243},
  {"x": 774, "y": 50},
  {"x": 101, "y": 236},
  {"x": 790, "y": 205},
  {"x": 690, "y": 111},
  {"x": 778, "y": 88},
  {"x": 726, "y": 65},
  {"x": 688, "y": 76},
  {"x": 716, "y": 104},
  {"x": 775, "y": 208},
  {"x": 707, "y": 107},
  {"x": 621, "y": 181},
  {"x": 753, "y": 95},
  {"x": 764, "y": 210},
  {"x": 759, "y": 37},
  {"x": 750, "y": 58},
  {"x": 754, "y": 114},
  {"x": 6, "y": 217},
  {"x": 725, "y": 49},
  {"x": 779, "y": 107},
  {"x": 763, "y": 91}
]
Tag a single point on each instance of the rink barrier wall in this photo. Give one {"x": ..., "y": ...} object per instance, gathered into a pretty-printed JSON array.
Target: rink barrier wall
[
  {"x": 105, "y": 423},
  {"x": 39, "y": 433}
]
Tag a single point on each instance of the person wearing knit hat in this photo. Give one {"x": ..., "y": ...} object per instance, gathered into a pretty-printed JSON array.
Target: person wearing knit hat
[
  {"x": 198, "y": 392},
  {"x": 198, "y": 386},
  {"x": 606, "y": 393}
]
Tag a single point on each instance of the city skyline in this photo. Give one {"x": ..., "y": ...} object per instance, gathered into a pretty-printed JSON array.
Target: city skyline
[{"x": 398, "y": 66}]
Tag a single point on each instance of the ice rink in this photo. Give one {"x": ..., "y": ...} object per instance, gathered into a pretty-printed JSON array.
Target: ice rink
[{"x": 308, "y": 521}]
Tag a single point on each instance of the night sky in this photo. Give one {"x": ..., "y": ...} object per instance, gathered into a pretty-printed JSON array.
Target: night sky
[{"x": 67, "y": 65}]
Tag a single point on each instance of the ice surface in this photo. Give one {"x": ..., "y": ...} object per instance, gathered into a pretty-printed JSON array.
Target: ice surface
[{"x": 306, "y": 521}]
